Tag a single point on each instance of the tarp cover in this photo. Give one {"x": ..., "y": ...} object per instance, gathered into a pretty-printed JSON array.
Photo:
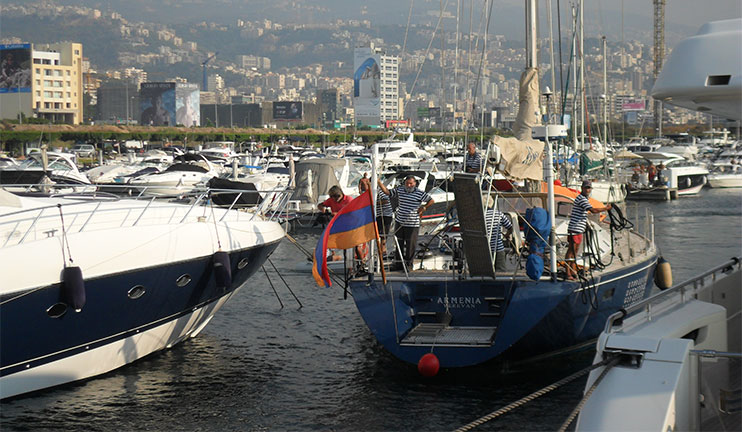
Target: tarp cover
[
  {"x": 538, "y": 218},
  {"x": 309, "y": 187},
  {"x": 521, "y": 159}
]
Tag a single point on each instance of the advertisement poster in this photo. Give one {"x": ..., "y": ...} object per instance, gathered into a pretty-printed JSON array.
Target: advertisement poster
[
  {"x": 287, "y": 110},
  {"x": 157, "y": 104},
  {"x": 366, "y": 83},
  {"x": 187, "y": 105},
  {"x": 633, "y": 105},
  {"x": 15, "y": 68}
]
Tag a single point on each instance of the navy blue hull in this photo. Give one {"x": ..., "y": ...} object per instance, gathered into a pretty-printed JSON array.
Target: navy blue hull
[
  {"x": 30, "y": 336},
  {"x": 530, "y": 318}
]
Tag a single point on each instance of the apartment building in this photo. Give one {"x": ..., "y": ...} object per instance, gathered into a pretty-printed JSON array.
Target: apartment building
[{"x": 42, "y": 80}]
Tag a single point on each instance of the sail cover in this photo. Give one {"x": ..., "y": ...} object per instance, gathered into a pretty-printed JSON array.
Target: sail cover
[
  {"x": 522, "y": 156},
  {"x": 528, "y": 108},
  {"x": 521, "y": 159}
]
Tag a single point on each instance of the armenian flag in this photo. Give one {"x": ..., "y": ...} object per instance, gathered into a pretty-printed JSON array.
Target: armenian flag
[{"x": 354, "y": 224}]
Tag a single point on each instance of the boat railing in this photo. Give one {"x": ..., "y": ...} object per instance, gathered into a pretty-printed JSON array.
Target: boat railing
[
  {"x": 78, "y": 214},
  {"x": 687, "y": 290}
]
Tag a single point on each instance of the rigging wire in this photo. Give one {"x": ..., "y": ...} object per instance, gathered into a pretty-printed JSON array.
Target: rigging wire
[
  {"x": 407, "y": 29},
  {"x": 427, "y": 51},
  {"x": 561, "y": 63},
  {"x": 481, "y": 59}
]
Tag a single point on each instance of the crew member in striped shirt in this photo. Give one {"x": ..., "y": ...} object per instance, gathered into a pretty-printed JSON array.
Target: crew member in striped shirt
[
  {"x": 384, "y": 214},
  {"x": 473, "y": 162},
  {"x": 578, "y": 224},
  {"x": 496, "y": 221},
  {"x": 408, "y": 214}
]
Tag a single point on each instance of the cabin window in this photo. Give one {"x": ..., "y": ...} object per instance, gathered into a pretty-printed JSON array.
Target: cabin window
[
  {"x": 136, "y": 292},
  {"x": 716, "y": 80},
  {"x": 183, "y": 280}
]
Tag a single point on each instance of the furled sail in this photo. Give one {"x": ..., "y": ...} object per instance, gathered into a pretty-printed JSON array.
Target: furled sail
[{"x": 522, "y": 157}]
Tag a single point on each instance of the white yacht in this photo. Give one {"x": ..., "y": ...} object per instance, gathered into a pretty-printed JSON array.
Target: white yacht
[
  {"x": 58, "y": 167},
  {"x": 189, "y": 171},
  {"x": 90, "y": 285},
  {"x": 726, "y": 175},
  {"x": 685, "y": 176}
]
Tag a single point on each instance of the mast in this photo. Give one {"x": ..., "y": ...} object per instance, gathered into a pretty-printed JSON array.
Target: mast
[
  {"x": 605, "y": 108},
  {"x": 574, "y": 79},
  {"x": 582, "y": 77},
  {"x": 605, "y": 97},
  {"x": 532, "y": 64},
  {"x": 456, "y": 68},
  {"x": 551, "y": 44}
]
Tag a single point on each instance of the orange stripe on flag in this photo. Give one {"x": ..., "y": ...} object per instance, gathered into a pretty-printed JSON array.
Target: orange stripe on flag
[{"x": 348, "y": 239}]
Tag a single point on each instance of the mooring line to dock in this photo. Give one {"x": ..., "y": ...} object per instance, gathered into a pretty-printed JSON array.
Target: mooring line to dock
[
  {"x": 493, "y": 415},
  {"x": 337, "y": 278},
  {"x": 274, "y": 288},
  {"x": 285, "y": 283},
  {"x": 584, "y": 399}
]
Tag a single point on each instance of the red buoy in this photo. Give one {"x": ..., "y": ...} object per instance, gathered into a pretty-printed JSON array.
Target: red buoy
[{"x": 428, "y": 365}]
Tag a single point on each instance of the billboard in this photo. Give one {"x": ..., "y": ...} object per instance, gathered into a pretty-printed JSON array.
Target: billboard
[
  {"x": 633, "y": 105},
  {"x": 187, "y": 105},
  {"x": 287, "y": 110},
  {"x": 366, "y": 83},
  {"x": 157, "y": 102},
  {"x": 15, "y": 68}
]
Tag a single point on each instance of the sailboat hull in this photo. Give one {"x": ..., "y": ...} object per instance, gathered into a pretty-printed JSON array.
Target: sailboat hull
[{"x": 505, "y": 318}]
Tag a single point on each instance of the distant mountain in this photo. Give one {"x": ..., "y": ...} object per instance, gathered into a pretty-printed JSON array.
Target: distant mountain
[{"x": 507, "y": 17}]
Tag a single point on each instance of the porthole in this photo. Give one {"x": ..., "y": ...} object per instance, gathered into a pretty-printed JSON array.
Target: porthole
[
  {"x": 243, "y": 263},
  {"x": 56, "y": 310},
  {"x": 136, "y": 292},
  {"x": 183, "y": 280}
]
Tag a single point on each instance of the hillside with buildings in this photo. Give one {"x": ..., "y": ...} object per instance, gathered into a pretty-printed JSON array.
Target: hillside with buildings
[{"x": 245, "y": 57}]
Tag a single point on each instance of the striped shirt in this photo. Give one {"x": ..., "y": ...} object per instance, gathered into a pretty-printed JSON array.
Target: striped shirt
[
  {"x": 409, "y": 202},
  {"x": 578, "y": 218},
  {"x": 473, "y": 162},
  {"x": 495, "y": 221},
  {"x": 383, "y": 209}
]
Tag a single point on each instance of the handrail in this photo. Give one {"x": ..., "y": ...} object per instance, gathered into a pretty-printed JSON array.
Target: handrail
[
  {"x": 617, "y": 317},
  {"x": 38, "y": 214}
]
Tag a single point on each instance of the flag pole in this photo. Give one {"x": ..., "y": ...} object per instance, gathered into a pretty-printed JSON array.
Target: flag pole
[{"x": 372, "y": 191}]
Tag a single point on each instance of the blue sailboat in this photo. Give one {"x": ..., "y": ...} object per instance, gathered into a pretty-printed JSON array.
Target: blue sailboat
[{"x": 453, "y": 303}]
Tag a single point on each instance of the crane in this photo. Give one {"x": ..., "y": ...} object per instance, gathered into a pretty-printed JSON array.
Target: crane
[{"x": 203, "y": 65}]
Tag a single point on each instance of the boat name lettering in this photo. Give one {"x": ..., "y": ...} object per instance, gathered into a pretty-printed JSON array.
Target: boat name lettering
[
  {"x": 460, "y": 302},
  {"x": 635, "y": 291}
]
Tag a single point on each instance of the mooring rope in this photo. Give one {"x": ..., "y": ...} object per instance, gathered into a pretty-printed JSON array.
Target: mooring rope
[
  {"x": 493, "y": 415},
  {"x": 285, "y": 283},
  {"x": 582, "y": 403},
  {"x": 271, "y": 283}
]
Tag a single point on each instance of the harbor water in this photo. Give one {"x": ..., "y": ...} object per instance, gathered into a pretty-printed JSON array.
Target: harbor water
[{"x": 258, "y": 366}]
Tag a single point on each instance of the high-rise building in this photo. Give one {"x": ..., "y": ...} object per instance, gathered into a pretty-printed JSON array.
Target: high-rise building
[
  {"x": 42, "y": 80},
  {"x": 214, "y": 83},
  {"x": 118, "y": 102},
  {"x": 328, "y": 105},
  {"x": 375, "y": 86},
  {"x": 389, "y": 88}
]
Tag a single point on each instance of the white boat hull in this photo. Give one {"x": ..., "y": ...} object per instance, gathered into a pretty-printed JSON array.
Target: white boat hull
[
  {"x": 723, "y": 181},
  {"x": 111, "y": 356}
]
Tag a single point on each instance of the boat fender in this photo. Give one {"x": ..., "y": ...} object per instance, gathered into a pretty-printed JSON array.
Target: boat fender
[
  {"x": 222, "y": 269},
  {"x": 73, "y": 288},
  {"x": 663, "y": 274},
  {"x": 428, "y": 365}
]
